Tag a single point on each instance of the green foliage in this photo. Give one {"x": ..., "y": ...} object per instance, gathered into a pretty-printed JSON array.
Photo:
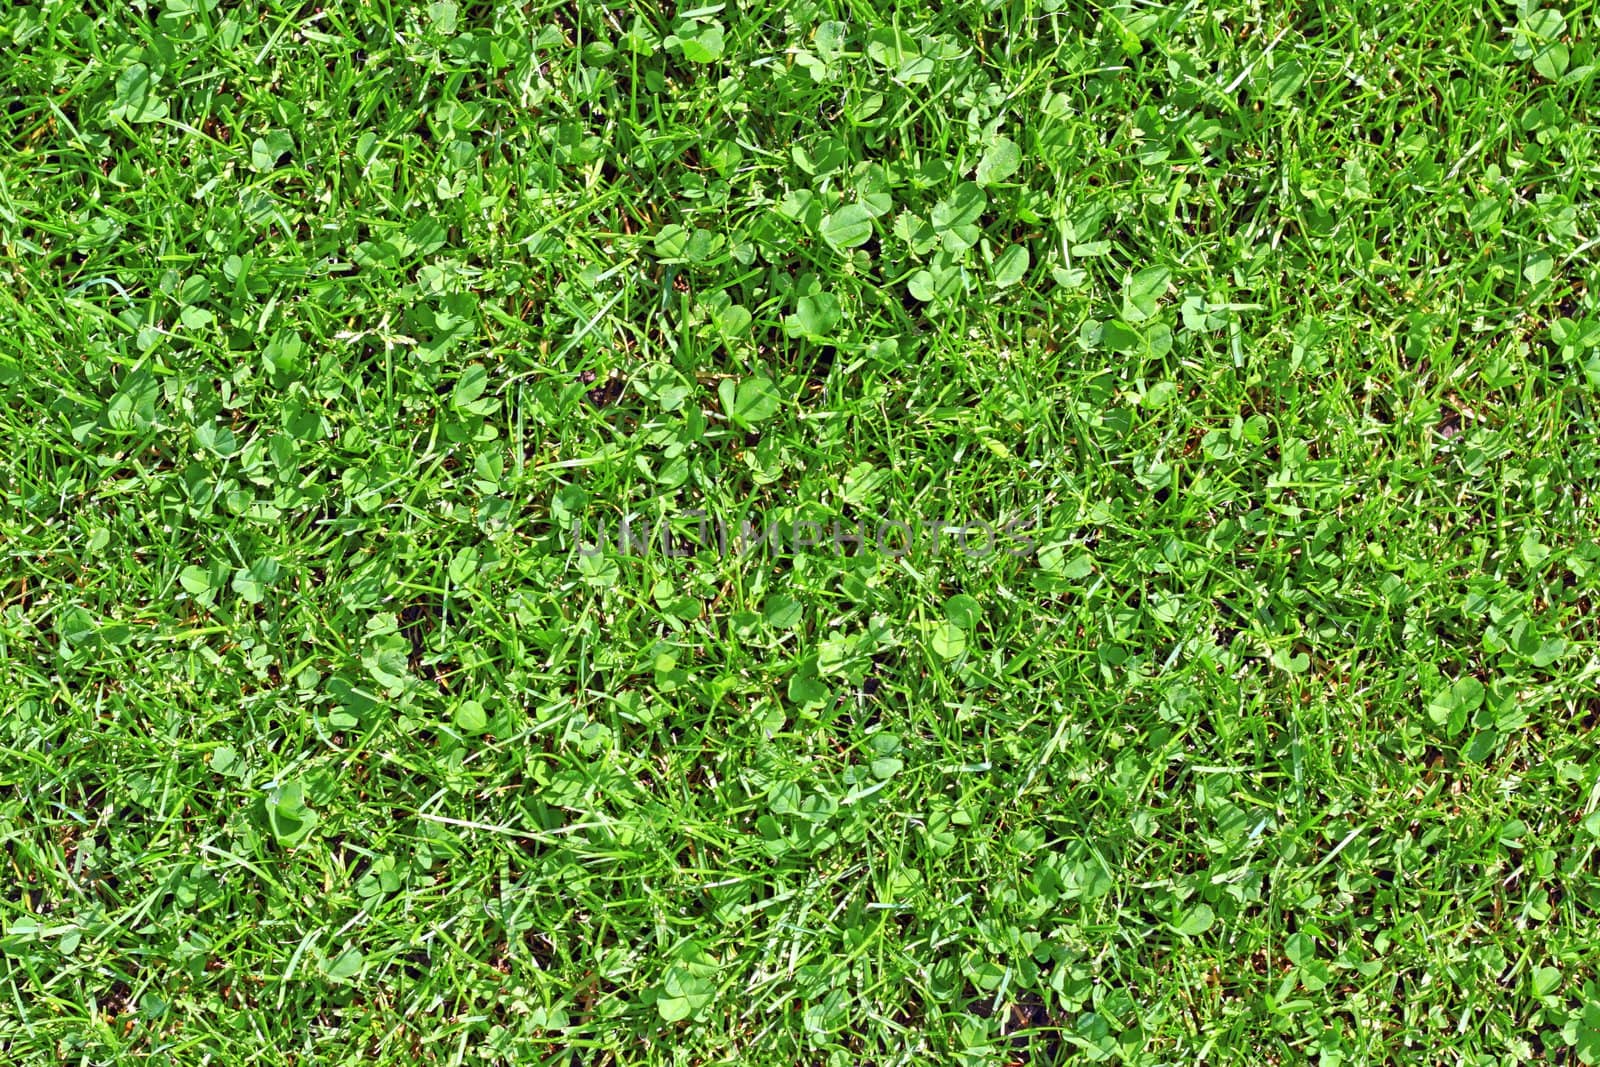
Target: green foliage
[{"x": 336, "y": 334}]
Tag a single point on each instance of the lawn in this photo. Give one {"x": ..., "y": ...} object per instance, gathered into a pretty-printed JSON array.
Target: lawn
[{"x": 1008, "y": 533}]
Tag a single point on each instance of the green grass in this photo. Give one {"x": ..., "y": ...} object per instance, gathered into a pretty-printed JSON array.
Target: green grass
[{"x": 326, "y": 741}]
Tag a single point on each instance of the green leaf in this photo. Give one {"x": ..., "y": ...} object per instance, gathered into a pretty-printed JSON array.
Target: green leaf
[
  {"x": 1550, "y": 649},
  {"x": 674, "y": 1009},
  {"x": 955, "y": 218},
  {"x": 1000, "y": 161},
  {"x": 463, "y": 565},
  {"x": 671, "y": 242},
  {"x": 751, "y": 401},
  {"x": 805, "y": 688},
  {"x": 474, "y": 380},
  {"x": 469, "y": 717},
  {"x": 836, "y": 654},
  {"x": 965, "y": 205},
  {"x": 814, "y": 316},
  {"x": 1197, "y": 920},
  {"x": 704, "y": 245},
  {"x": 963, "y": 611},
  {"x": 442, "y": 15},
  {"x": 196, "y": 581},
  {"x": 1588, "y": 1032},
  {"x": 1543, "y": 24},
  {"x": 948, "y": 640},
  {"x": 782, "y": 612},
  {"x": 705, "y": 45},
  {"x": 1142, "y": 293},
  {"x": 1069, "y": 279},
  {"x": 1093, "y": 880},
  {"x": 266, "y": 151},
  {"x": 136, "y": 96},
  {"x": 1011, "y": 266},
  {"x": 885, "y": 767},
  {"x": 252, "y": 582},
  {"x": 1285, "y": 81},
  {"x": 828, "y": 1015},
  {"x": 849, "y": 227},
  {"x": 944, "y": 281},
  {"x": 890, "y": 47},
  {"x": 1286, "y": 659},
  {"x": 345, "y": 965},
  {"x": 1451, "y": 706},
  {"x": 134, "y": 405},
  {"x": 1066, "y": 562},
  {"x": 686, "y": 989},
  {"x": 598, "y": 570},
  {"x": 1552, "y": 61},
  {"x": 287, "y": 815},
  {"x": 732, "y": 320}
]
